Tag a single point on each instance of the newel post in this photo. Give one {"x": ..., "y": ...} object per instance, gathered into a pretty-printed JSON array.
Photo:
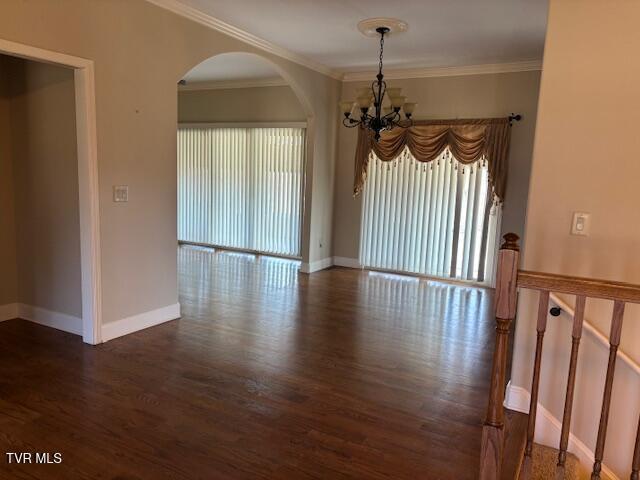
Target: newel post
[{"x": 491, "y": 455}]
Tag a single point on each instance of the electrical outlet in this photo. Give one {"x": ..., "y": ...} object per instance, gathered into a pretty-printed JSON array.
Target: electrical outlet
[
  {"x": 120, "y": 193},
  {"x": 580, "y": 224}
]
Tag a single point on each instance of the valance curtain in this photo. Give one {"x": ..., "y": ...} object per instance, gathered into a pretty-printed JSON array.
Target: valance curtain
[{"x": 468, "y": 141}]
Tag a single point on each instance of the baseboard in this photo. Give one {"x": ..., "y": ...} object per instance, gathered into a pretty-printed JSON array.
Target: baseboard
[
  {"x": 49, "y": 318},
  {"x": 8, "y": 311},
  {"x": 347, "y": 262},
  {"x": 317, "y": 265},
  {"x": 139, "y": 322},
  {"x": 548, "y": 429}
]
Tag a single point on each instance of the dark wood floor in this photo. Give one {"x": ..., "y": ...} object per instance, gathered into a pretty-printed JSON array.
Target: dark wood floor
[{"x": 270, "y": 374}]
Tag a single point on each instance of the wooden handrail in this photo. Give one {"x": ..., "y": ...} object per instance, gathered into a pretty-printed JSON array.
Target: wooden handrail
[
  {"x": 509, "y": 279},
  {"x": 588, "y": 287}
]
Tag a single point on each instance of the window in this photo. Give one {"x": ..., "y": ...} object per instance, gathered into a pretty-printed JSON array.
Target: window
[
  {"x": 241, "y": 188},
  {"x": 435, "y": 219}
]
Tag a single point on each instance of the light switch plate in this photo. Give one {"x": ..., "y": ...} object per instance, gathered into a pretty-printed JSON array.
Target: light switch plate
[
  {"x": 580, "y": 224},
  {"x": 121, "y": 193}
]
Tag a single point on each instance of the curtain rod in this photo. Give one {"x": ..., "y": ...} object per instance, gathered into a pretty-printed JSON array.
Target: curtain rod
[
  {"x": 242, "y": 125},
  {"x": 514, "y": 117}
]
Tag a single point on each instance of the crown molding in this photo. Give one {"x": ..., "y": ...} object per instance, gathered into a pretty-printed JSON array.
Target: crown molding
[
  {"x": 202, "y": 18},
  {"x": 426, "y": 72},
  {"x": 232, "y": 84}
]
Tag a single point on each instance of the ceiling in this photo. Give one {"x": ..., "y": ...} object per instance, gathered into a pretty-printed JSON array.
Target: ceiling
[
  {"x": 231, "y": 66},
  {"x": 442, "y": 33}
]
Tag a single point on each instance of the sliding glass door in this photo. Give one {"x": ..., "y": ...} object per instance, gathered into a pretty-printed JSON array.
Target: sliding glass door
[
  {"x": 241, "y": 188},
  {"x": 435, "y": 219}
]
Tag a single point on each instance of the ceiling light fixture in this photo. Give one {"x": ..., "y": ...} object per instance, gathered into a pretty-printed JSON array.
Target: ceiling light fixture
[{"x": 373, "y": 114}]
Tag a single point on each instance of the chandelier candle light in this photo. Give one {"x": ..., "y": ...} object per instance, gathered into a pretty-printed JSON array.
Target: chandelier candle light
[{"x": 373, "y": 115}]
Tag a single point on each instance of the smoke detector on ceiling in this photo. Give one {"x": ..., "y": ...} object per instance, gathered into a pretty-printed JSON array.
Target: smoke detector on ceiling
[{"x": 371, "y": 26}]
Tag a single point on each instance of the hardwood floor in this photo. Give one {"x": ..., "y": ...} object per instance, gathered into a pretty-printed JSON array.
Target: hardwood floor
[{"x": 270, "y": 374}]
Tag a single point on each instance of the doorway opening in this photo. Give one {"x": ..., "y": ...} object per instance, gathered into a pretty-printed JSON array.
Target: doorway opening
[{"x": 48, "y": 158}]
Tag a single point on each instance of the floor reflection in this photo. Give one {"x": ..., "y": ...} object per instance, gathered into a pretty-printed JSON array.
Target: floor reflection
[
  {"x": 269, "y": 374},
  {"x": 403, "y": 349}
]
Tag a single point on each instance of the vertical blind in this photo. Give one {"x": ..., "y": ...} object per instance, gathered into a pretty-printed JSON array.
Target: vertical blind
[
  {"x": 435, "y": 218},
  {"x": 241, "y": 187}
]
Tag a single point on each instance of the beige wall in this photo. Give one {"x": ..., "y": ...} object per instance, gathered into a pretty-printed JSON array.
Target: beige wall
[
  {"x": 256, "y": 104},
  {"x": 8, "y": 269},
  {"x": 474, "y": 96},
  {"x": 585, "y": 159},
  {"x": 140, "y": 52},
  {"x": 45, "y": 183}
]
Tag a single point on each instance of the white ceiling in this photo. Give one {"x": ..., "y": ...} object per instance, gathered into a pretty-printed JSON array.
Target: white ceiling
[
  {"x": 442, "y": 33},
  {"x": 231, "y": 66}
]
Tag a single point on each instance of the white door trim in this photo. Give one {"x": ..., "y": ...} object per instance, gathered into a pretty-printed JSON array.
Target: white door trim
[{"x": 87, "y": 177}]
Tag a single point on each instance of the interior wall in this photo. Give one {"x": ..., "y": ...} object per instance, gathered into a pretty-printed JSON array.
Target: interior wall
[
  {"x": 140, "y": 52},
  {"x": 585, "y": 160},
  {"x": 255, "y": 104},
  {"x": 472, "y": 96},
  {"x": 8, "y": 278},
  {"x": 45, "y": 184}
]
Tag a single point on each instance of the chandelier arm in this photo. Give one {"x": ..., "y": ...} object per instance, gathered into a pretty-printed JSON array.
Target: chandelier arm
[
  {"x": 350, "y": 122},
  {"x": 374, "y": 84},
  {"x": 392, "y": 115}
]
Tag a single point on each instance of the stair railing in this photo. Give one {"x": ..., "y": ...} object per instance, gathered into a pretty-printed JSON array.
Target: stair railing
[{"x": 509, "y": 279}]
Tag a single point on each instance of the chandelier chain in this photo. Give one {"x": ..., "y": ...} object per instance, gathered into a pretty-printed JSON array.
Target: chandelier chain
[{"x": 381, "y": 51}]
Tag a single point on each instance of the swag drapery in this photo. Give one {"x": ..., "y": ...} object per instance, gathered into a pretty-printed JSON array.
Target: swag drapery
[{"x": 468, "y": 140}]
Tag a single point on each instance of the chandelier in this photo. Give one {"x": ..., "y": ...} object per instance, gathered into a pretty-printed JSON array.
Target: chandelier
[{"x": 374, "y": 115}]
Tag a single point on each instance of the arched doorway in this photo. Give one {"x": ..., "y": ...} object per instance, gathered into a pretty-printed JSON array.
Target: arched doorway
[{"x": 244, "y": 140}]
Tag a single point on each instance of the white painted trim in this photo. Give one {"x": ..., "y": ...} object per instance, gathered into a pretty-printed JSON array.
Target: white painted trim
[
  {"x": 242, "y": 125},
  {"x": 84, "y": 82},
  {"x": 548, "y": 429},
  {"x": 8, "y": 311},
  {"x": 29, "y": 52},
  {"x": 428, "y": 72},
  {"x": 42, "y": 316},
  {"x": 233, "y": 84},
  {"x": 317, "y": 265},
  {"x": 202, "y": 18},
  {"x": 600, "y": 337},
  {"x": 89, "y": 204},
  {"x": 347, "y": 262},
  {"x": 49, "y": 318},
  {"x": 139, "y": 322}
]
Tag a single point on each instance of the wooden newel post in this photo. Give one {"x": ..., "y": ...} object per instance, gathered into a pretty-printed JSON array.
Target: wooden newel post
[
  {"x": 635, "y": 468},
  {"x": 491, "y": 455}
]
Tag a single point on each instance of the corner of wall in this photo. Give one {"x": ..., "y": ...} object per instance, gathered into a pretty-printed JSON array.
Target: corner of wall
[{"x": 9, "y": 277}]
